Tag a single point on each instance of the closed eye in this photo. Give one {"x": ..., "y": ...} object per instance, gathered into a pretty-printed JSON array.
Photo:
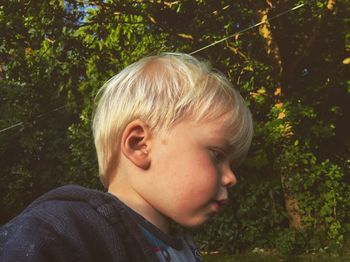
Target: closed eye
[{"x": 218, "y": 155}]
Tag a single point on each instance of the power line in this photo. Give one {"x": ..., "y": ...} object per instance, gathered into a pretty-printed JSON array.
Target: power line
[
  {"x": 194, "y": 52},
  {"x": 37, "y": 116},
  {"x": 246, "y": 29},
  {"x": 10, "y": 127}
]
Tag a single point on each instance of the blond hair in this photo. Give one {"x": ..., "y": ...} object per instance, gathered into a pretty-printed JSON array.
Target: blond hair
[{"x": 163, "y": 90}]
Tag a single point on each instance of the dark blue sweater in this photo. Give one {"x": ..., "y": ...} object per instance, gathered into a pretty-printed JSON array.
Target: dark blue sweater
[{"x": 73, "y": 223}]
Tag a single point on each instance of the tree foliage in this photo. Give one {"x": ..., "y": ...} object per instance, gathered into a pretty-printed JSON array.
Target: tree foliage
[{"x": 293, "y": 71}]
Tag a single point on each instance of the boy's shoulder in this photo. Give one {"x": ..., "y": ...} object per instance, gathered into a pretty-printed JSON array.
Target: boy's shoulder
[
  {"x": 71, "y": 194},
  {"x": 60, "y": 209},
  {"x": 67, "y": 221},
  {"x": 69, "y": 202}
]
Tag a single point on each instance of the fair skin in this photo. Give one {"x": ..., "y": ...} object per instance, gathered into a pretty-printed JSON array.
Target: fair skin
[{"x": 179, "y": 176}]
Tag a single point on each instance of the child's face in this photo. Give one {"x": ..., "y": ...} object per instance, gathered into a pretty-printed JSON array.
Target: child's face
[{"x": 191, "y": 171}]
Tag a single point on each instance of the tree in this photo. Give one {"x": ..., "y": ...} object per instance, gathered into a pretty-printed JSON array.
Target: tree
[
  {"x": 292, "y": 70},
  {"x": 39, "y": 75}
]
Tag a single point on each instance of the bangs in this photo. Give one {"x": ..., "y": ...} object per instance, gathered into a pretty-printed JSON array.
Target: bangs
[{"x": 241, "y": 127}]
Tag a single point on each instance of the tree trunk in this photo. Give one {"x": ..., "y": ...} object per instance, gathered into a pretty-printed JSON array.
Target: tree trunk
[{"x": 272, "y": 49}]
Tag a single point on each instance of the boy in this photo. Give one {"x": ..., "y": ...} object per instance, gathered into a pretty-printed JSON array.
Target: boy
[{"x": 167, "y": 130}]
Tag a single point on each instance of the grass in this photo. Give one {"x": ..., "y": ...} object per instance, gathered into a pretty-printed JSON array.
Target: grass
[{"x": 275, "y": 258}]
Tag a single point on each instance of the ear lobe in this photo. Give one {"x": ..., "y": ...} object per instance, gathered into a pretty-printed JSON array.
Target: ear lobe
[{"x": 135, "y": 143}]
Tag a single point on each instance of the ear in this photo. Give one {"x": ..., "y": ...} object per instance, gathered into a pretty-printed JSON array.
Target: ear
[{"x": 135, "y": 143}]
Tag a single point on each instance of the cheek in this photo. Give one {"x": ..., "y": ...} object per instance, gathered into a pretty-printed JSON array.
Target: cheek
[
  {"x": 206, "y": 164},
  {"x": 195, "y": 173},
  {"x": 206, "y": 173},
  {"x": 189, "y": 170}
]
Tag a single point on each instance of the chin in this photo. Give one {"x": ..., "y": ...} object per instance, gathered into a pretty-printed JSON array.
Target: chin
[{"x": 194, "y": 223}]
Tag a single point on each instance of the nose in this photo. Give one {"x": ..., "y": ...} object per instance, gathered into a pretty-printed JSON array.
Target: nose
[{"x": 229, "y": 178}]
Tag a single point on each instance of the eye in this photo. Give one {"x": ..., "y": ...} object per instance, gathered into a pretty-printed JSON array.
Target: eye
[{"x": 218, "y": 155}]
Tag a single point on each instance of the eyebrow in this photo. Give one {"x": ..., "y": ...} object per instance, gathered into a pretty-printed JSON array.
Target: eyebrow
[{"x": 224, "y": 143}]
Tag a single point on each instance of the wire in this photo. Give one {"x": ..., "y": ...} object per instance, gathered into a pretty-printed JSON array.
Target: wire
[
  {"x": 194, "y": 52},
  {"x": 10, "y": 127},
  {"x": 248, "y": 28},
  {"x": 37, "y": 116}
]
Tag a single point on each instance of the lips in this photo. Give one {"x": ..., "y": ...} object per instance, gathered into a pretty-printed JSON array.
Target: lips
[
  {"x": 217, "y": 204},
  {"x": 222, "y": 201}
]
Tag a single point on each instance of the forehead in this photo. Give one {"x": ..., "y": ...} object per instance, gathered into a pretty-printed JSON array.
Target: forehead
[{"x": 219, "y": 130}]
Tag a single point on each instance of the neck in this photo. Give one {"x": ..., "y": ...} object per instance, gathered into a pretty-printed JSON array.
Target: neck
[{"x": 140, "y": 205}]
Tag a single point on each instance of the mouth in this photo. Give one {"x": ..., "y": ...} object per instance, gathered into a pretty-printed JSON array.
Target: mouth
[{"x": 218, "y": 204}]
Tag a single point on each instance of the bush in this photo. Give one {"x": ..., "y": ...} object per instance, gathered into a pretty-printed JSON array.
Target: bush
[{"x": 322, "y": 194}]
